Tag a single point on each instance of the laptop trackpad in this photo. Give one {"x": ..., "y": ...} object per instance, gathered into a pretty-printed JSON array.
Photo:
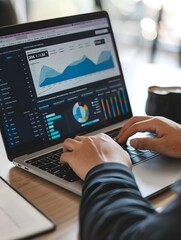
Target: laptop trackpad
[{"x": 156, "y": 174}]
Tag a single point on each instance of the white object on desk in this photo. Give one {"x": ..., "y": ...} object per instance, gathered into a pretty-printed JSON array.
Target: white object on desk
[{"x": 19, "y": 219}]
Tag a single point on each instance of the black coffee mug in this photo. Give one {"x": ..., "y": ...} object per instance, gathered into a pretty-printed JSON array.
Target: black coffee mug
[{"x": 164, "y": 101}]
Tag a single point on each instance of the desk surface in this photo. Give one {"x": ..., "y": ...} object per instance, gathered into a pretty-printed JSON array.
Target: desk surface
[{"x": 63, "y": 206}]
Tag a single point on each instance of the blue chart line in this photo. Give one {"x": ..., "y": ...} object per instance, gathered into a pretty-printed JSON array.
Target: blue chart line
[
  {"x": 76, "y": 69},
  {"x": 50, "y": 120}
]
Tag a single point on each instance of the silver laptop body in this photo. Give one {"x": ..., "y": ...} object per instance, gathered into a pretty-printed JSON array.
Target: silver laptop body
[{"x": 60, "y": 78}]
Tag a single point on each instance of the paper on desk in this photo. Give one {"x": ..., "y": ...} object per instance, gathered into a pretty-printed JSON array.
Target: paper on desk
[{"x": 18, "y": 217}]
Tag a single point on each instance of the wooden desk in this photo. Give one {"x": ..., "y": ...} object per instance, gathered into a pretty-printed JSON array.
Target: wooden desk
[
  {"x": 62, "y": 206},
  {"x": 58, "y": 204}
]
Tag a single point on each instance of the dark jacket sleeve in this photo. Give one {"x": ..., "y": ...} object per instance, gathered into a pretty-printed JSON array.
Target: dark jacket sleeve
[{"x": 113, "y": 208}]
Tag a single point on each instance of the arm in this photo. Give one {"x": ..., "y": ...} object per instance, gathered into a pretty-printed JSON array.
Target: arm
[
  {"x": 168, "y": 134},
  {"x": 113, "y": 208}
]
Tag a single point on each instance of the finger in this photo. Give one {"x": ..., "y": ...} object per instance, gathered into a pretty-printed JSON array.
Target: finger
[
  {"x": 80, "y": 138},
  {"x": 89, "y": 138},
  {"x": 132, "y": 121},
  {"x": 66, "y": 157},
  {"x": 69, "y": 144},
  {"x": 143, "y": 126},
  {"x": 147, "y": 144}
]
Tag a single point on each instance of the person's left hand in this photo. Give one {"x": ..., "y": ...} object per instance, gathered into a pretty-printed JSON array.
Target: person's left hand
[{"x": 83, "y": 153}]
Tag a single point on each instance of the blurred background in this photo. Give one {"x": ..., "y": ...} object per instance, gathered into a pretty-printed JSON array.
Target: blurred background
[{"x": 145, "y": 30}]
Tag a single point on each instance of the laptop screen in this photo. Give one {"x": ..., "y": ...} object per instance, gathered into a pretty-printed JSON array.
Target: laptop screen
[{"x": 59, "y": 78}]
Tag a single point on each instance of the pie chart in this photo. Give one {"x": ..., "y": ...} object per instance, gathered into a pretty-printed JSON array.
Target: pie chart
[{"x": 80, "y": 112}]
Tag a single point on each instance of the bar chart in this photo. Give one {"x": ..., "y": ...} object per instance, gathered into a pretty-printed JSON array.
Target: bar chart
[
  {"x": 50, "y": 119},
  {"x": 114, "y": 106}
]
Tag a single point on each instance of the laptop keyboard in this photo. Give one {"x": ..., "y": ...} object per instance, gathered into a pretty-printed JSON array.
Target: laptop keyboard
[
  {"x": 51, "y": 162},
  {"x": 136, "y": 155}
]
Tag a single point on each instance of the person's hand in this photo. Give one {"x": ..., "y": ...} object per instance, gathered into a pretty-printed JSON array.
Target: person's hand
[
  {"x": 83, "y": 153},
  {"x": 168, "y": 135}
]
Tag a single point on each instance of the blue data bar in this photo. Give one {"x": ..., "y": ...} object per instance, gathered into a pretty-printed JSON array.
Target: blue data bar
[
  {"x": 54, "y": 118},
  {"x": 50, "y": 115},
  {"x": 56, "y": 136},
  {"x": 90, "y": 122},
  {"x": 54, "y": 133}
]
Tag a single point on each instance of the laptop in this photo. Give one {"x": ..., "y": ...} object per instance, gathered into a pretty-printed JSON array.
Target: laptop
[{"x": 60, "y": 78}]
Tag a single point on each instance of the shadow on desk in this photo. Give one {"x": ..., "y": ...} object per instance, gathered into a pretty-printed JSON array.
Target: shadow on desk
[{"x": 57, "y": 203}]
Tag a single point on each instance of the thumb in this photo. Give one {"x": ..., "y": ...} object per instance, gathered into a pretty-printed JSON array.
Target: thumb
[{"x": 144, "y": 143}]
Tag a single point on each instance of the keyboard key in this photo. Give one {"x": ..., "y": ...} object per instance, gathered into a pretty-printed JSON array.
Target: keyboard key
[
  {"x": 47, "y": 167},
  {"x": 51, "y": 164},
  {"x": 137, "y": 159}
]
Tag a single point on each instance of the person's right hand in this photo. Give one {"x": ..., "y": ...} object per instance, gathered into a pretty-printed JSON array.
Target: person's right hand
[
  {"x": 168, "y": 135},
  {"x": 85, "y": 152}
]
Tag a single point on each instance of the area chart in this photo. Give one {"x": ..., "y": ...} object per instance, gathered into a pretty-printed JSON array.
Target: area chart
[{"x": 81, "y": 67}]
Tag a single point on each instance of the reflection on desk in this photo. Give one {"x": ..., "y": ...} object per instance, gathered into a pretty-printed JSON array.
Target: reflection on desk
[{"x": 59, "y": 204}]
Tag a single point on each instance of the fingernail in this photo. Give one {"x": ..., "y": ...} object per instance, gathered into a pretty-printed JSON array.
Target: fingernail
[{"x": 134, "y": 142}]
